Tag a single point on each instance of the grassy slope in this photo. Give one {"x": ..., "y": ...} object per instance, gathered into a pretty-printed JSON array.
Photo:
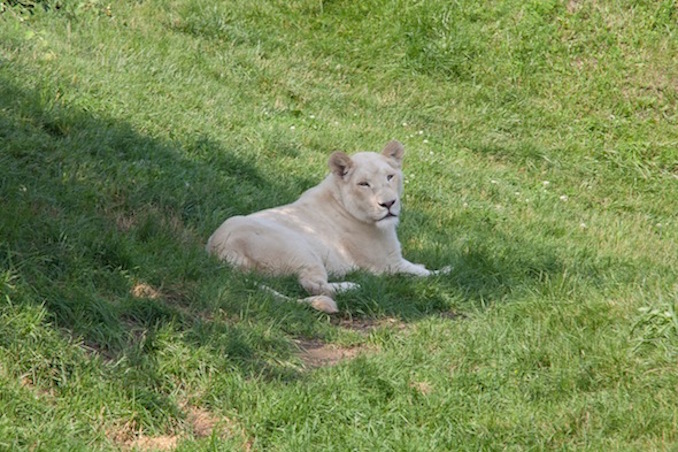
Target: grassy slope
[{"x": 541, "y": 163}]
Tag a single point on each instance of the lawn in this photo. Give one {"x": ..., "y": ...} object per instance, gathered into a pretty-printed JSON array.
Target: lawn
[{"x": 541, "y": 163}]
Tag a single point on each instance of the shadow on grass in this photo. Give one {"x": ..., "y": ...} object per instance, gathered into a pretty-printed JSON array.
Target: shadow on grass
[
  {"x": 98, "y": 209},
  {"x": 480, "y": 277},
  {"x": 93, "y": 209}
]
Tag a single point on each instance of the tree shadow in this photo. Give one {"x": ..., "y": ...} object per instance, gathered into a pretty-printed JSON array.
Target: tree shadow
[
  {"x": 92, "y": 209},
  {"x": 479, "y": 279},
  {"x": 99, "y": 209}
]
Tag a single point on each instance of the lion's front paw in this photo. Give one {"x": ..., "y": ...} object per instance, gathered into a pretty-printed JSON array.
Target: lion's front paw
[
  {"x": 343, "y": 287},
  {"x": 443, "y": 271}
]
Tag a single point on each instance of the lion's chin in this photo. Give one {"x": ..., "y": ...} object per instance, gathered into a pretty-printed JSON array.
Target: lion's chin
[{"x": 387, "y": 221}]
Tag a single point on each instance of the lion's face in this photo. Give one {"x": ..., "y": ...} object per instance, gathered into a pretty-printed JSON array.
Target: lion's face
[{"x": 370, "y": 184}]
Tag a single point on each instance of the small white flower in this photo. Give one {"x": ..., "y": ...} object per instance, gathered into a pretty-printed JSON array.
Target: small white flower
[
  {"x": 292, "y": 127},
  {"x": 546, "y": 183},
  {"x": 312, "y": 116},
  {"x": 465, "y": 205},
  {"x": 583, "y": 225},
  {"x": 421, "y": 132},
  {"x": 404, "y": 124},
  {"x": 425, "y": 141},
  {"x": 494, "y": 182},
  {"x": 564, "y": 198}
]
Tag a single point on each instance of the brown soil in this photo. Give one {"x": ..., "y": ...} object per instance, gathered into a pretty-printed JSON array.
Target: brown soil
[{"x": 315, "y": 353}]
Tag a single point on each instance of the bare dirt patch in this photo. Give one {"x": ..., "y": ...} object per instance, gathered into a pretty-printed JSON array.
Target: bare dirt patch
[
  {"x": 153, "y": 443},
  {"x": 202, "y": 422},
  {"x": 199, "y": 423},
  {"x": 366, "y": 325},
  {"x": 315, "y": 353},
  {"x": 128, "y": 436}
]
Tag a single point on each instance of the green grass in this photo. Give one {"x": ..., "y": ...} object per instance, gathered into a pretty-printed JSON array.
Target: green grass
[{"x": 542, "y": 163}]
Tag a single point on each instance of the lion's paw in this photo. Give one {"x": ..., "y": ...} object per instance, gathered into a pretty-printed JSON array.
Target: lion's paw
[
  {"x": 323, "y": 303},
  {"x": 344, "y": 286},
  {"x": 443, "y": 271}
]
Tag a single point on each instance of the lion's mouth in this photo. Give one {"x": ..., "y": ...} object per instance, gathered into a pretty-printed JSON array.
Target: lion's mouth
[{"x": 387, "y": 216}]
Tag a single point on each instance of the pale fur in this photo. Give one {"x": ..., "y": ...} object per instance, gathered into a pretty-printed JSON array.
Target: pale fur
[{"x": 345, "y": 223}]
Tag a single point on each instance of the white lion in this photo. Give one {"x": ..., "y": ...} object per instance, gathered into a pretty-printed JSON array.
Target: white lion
[{"x": 345, "y": 223}]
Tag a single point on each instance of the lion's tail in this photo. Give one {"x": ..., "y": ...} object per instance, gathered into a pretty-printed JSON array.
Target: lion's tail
[{"x": 319, "y": 302}]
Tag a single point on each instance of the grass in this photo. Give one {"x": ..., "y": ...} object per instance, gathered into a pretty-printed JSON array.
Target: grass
[{"x": 541, "y": 163}]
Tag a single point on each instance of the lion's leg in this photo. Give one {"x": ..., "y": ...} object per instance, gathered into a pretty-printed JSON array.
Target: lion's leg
[
  {"x": 410, "y": 268},
  {"x": 273, "y": 249},
  {"x": 314, "y": 280},
  {"x": 340, "y": 287}
]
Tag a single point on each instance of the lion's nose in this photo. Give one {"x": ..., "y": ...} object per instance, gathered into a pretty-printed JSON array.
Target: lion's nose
[{"x": 387, "y": 204}]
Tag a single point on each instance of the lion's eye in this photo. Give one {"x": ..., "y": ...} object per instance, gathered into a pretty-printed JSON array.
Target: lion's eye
[
  {"x": 364, "y": 184},
  {"x": 389, "y": 177}
]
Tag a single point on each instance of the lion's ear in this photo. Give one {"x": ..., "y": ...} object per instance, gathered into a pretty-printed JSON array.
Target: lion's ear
[
  {"x": 340, "y": 163},
  {"x": 394, "y": 150}
]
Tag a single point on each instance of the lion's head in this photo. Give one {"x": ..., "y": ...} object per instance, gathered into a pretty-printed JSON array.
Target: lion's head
[{"x": 370, "y": 184}]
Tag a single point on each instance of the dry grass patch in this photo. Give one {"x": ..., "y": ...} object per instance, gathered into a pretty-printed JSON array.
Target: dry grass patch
[
  {"x": 367, "y": 325},
  {"x": 199, "y": 423},
  {"x": 423, "y": 387},
  {"x": 315, "y": 353},
  {"x": 153, "y": 443},
  {"x": 143, "y": 290},
  {"x": 202, "y": 422},
  {"x": 129, "y": 436}
]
